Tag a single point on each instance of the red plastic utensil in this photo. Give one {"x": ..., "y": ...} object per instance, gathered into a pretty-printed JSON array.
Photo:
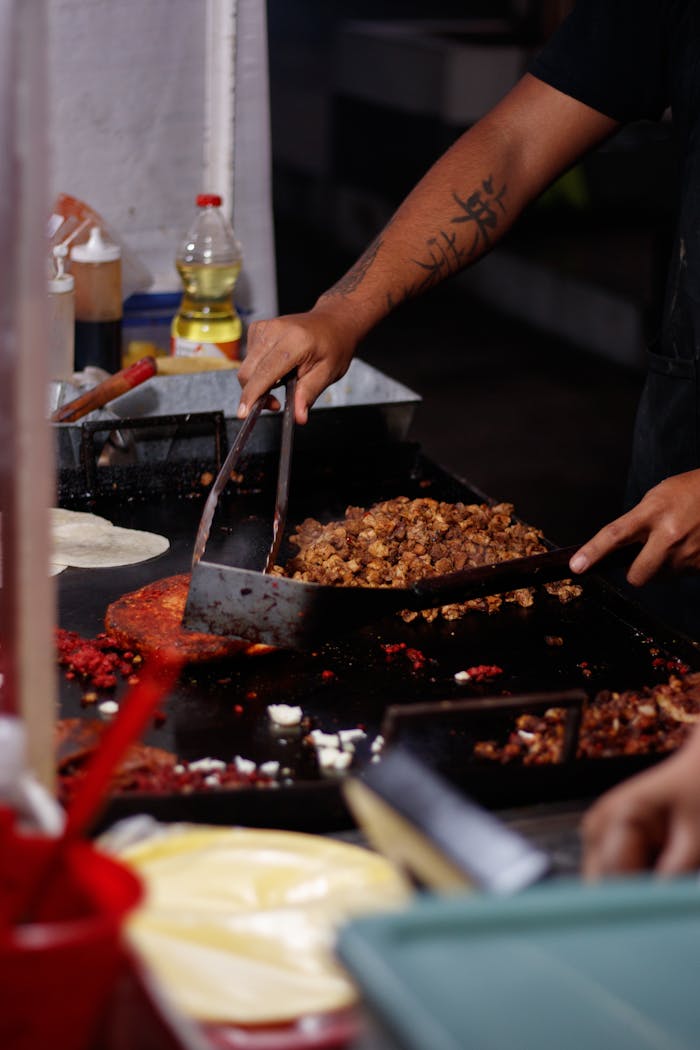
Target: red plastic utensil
[{"x": 156, "y": 678}]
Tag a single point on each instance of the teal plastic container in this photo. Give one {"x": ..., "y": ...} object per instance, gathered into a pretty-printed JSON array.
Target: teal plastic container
[{"x": 561, "y": 966}]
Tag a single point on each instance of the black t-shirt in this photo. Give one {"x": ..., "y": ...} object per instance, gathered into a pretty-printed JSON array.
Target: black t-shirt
[
  {"x": 632, "y": 59},
  {"x": 629, "y": 59},
  {"x": 613, "y": 56}
]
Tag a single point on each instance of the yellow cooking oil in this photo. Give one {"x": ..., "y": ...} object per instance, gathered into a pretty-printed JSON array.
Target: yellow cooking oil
[{"x": 207, "y": 322}]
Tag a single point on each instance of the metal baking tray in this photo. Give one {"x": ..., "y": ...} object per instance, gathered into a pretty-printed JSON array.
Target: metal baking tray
[{"x": 365, "y": 405}]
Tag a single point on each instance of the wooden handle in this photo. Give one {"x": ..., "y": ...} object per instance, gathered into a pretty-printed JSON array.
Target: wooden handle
[{"x": 106, "y": 391}]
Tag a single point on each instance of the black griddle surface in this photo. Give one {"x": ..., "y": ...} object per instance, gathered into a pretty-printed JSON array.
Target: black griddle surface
[{"x": 220, "y": 710}]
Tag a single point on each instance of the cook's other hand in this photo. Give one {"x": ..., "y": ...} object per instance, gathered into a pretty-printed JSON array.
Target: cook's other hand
[
  {"x": 651, "y": 821},
  {"x": 666, "y": 521},
  {"x": 320, "y": 344}
]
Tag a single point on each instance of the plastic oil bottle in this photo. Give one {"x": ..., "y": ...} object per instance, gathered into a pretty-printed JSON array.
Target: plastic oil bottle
[{"x": 209, "y": 262}]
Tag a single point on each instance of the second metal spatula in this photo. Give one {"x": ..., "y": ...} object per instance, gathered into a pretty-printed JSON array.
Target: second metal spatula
[{"x": 293, "y": 614}]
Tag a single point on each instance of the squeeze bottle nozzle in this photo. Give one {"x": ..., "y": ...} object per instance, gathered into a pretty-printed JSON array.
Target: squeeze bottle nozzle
[{"x": 95, "y": 249}]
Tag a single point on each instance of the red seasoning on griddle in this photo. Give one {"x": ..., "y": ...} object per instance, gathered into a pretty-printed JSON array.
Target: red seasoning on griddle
[
  {"x": 96, "y": 661},
  {"x": 416, "y": 658},
  {"x": 484, "y": 672},
  {"x": 392, "y": 650}
]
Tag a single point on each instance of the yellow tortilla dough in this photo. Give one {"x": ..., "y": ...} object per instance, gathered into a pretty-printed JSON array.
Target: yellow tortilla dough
[
  {"x": 239, "y": 924},
  {"x": 91, "y": 542}
]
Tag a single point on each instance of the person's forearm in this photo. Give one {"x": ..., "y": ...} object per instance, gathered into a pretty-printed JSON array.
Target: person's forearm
[
  {"x": 467, "y": 201},
  {"x": 449, "y": 221},
  {"x": 462, "y": 207},
  {"x": 458, "y": 211}
]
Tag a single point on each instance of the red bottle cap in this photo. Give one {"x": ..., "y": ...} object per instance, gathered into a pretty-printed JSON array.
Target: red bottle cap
[{"x": 203, "y": 199}]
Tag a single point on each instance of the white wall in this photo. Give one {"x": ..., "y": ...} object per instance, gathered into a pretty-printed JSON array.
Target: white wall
[{"x": 142, "y": 96}]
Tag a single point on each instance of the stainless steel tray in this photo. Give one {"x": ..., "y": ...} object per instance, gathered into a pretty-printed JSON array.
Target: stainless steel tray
[{"x": 364, "y": 405}]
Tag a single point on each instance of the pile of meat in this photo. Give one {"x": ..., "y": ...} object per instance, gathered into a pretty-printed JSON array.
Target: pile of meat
[
  {"x": 143, "y": 770},
  {"x": 399, "y": 541},
  {"x": 651, "y": 720}
]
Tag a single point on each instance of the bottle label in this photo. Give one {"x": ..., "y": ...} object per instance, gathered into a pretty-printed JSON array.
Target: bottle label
[{"x": 189, "y": 348}]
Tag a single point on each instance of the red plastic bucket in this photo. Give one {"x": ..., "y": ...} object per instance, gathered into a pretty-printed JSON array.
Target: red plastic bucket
[{"x": 57, "y": 975}]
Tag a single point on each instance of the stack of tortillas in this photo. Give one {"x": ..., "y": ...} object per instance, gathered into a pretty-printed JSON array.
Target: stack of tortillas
[
  {"x": 91, "y": 542},
  {"x": 239, "y": 923}
]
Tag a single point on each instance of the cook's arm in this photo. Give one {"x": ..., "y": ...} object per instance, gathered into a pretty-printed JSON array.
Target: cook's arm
[
  {"x": 651, "y": 821},
  {"x": 666, "y": 521},
  {"x": 456, "y": 213}
]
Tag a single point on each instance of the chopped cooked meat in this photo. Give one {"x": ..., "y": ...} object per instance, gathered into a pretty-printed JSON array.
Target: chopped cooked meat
[
  {"x": 536, "y": 740},
  {"x": 150, "y": 620},
  {"x": 680, "y": 699},
  {"x": 144, "y": 769},
  {"x": 76, "y": 739},
  {"x": 399, "y": 541},
  {"x": 564, "y": 590},
  {"x": 651, "y": 720}
]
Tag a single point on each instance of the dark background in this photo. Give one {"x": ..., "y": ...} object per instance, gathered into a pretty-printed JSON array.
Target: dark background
[{"x": 530, "y": 367}]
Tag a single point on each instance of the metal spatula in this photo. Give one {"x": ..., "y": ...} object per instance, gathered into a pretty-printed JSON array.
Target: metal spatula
[
  {"x": 229, "y": 465},
  {"x": 294, "y": 614},
  {"x": 435, "y": 832}
]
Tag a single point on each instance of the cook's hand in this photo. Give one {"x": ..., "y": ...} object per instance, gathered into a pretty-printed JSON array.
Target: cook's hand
[
  {"x": 319, "y": 344},
  {"x": 650, "y": 821},
  {"x": 666, "y": 521}
]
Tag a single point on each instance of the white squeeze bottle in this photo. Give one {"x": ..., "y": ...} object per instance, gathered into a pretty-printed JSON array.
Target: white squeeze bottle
[
  {"x": 209, "y": 262},
  {"x": 61, "y": 318}
]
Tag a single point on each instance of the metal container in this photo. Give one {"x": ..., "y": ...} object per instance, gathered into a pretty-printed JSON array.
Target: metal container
[{"x": 365, "y": 406}]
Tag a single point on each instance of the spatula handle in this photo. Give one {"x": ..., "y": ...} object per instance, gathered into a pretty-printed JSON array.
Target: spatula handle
[
  {"x": 222, "y": 478},
  {"x": 494, "y": 578}
]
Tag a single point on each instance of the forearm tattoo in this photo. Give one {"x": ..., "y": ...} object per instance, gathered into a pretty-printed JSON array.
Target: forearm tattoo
[
  {"x": 356, "y": 274},
  {"x": 444, "y": 253}
]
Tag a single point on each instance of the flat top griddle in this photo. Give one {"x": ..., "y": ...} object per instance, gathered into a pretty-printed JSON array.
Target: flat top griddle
[{"x": 220, "y": 710}]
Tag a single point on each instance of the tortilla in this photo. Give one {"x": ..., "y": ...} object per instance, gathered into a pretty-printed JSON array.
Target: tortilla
[
  {"x": 239, "y": 923},
  {"x": 60, "y": 516},
  {"x": 89, "y": 548},
  {"x": 88, "y": 541}
]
